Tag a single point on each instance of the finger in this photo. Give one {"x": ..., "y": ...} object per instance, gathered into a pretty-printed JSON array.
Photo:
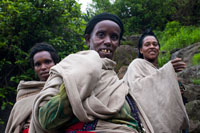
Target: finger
[
  {"x": 179, "y": 69},
  {"x": 176, "y": 60},
  {"x": 179, "y": 65}
]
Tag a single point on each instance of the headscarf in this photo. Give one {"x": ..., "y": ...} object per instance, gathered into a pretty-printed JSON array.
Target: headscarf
[{"x": 104, "y": 16}]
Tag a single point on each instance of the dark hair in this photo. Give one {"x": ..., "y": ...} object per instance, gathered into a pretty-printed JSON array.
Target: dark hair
[
  {"x": 104, "y": 16},
  {"x": 38, "y": 47},
  {"x": 148, "y": 32}
]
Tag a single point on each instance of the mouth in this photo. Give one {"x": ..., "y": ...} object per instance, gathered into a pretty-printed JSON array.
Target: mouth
[
  {"x": 106, "y": 51},
  {"x": 152, "y": 52},
  {"x": 44, "y": 74}
]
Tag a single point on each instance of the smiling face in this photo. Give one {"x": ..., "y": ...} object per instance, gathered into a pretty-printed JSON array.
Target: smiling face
[
  {"x": 42, "y": 64},
  {"x": 150, "y": 49},
  {"x": 104, "y": 38}
]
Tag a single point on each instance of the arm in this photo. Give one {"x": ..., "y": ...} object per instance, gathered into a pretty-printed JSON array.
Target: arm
[{"x": 56, "y": 112}]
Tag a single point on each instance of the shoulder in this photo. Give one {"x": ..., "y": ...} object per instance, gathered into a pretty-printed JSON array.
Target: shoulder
[{"x": 137, "y": 62}]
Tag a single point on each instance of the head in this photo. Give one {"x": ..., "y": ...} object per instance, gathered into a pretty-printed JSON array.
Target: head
[
  {"x": 42, "y": 57},
  {"x": 103, "y": 34},
  {"x": 148, "y": 46}
]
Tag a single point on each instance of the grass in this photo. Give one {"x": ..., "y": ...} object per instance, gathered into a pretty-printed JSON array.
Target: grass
[
  {"x": 176, "y": 36},
  {"x": 196, "y": 59}
]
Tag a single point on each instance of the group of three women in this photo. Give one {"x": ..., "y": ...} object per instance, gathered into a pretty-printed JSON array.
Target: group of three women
[{"x": 83, "y": 93}]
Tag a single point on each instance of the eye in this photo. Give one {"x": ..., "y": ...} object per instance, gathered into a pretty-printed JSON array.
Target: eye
[
  {"x": 37, "y": 64},
  {"x": 147, "y": 44},
  {"x": 155, "y": 44},
  {"x": 115, "y": 37},
  {"x": 100, "y": 34},
  {"x": 48, "y": 61}
]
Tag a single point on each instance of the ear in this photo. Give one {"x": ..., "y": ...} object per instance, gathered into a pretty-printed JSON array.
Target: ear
[
  {"x": 141, "y": 51},
  {"x": 87, "y": 39}
]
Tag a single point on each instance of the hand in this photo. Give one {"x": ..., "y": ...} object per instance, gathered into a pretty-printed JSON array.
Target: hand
[{"x": 178, "y": 64}]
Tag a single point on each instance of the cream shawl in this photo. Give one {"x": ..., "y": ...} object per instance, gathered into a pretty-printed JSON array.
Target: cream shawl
[
  {"x": 21, "y": 111},
  {"x": 93, "y": 92},
  {"x": 158, "y": 94}
]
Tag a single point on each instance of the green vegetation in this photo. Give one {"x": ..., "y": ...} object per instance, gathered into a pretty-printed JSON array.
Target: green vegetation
[
  {"x": 137, "y": 15},
  {"x": 26, "y": 22},
  {"x": 196, "y": 81},
  {"x": 196, "y": 59},
  {"x": 175, "y": 37}
]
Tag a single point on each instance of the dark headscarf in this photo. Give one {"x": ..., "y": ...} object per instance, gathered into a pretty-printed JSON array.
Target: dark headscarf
[
  {"x": 148, "y": 32},
  {"x": 103, "y": 16}
]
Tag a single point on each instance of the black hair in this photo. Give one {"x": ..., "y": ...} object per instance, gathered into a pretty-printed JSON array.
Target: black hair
[
  {"x": 104, "y": 16},
  {"x": 147, "y": 32},
  {"x": 43, "y": 46}
]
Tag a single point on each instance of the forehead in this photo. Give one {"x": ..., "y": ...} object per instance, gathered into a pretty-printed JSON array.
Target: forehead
[
  {"x": 107, "y": 24},
  {"x": 41, "y": 55},
  {"x": 149, "y": 39}
]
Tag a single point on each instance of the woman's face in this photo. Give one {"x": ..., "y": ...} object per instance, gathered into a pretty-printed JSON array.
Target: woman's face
[
  {"x": 42, "y": 64},
  {"x": 150, "y": 48},
  {"x": 104, "y": 38}
]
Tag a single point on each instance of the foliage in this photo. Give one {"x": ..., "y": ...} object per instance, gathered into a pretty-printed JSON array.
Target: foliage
[
  {"x": 196, "y": 81},
  {"x": 176, "y": 37},
  {"x": 187, "y": 11},
  {"x": 137, "y": 15},
  {"x": 196, "y": 59},
  {"x": 26, "y": 22}
]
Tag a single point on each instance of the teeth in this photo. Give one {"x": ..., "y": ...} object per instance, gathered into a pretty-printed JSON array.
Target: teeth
[{"x": 105, "y": 50}]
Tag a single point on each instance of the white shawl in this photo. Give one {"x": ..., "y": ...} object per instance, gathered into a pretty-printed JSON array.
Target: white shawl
[
  {"x": 93, "y": 92},
  {"x": 157, "y": 92},
  {"x": 22, "y": 109}
]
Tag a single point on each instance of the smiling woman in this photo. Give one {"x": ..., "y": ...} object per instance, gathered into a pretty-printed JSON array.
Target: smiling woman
[
  {"x": 104, "y": 39},
  {"x": 156, "y": 89}
]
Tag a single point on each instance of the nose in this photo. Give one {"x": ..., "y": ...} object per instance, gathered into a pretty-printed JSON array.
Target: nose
[
  {"x": 107, "y": 41},
  {"x": 43, "y": 66},
  {"x": 151, "y": 45}
]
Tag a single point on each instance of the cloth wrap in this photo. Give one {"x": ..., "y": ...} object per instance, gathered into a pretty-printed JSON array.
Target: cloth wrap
[
  {"x": 21, "y": 111},
  {"x": 157, "y": 92}
]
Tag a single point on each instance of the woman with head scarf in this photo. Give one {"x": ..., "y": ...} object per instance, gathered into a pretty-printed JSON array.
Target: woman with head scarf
[
  {"x": 155, "y": 89},
  {"x": 83, "y": 93},
  {"x": 42, "y": 57}
]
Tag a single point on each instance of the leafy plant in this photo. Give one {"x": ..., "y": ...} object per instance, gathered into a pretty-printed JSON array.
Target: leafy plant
[
  {"x": 196, "y": 81},
  {"x": 196, "y": 59},
  {"x": 173, "y": 38},
  {"x": 26, "y": 22}
]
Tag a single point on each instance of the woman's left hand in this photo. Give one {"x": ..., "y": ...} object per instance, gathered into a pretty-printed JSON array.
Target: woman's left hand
[{"x": 178, "y": 64}]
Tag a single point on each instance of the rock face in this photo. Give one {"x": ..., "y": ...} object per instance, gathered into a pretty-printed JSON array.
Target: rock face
[
  {"x": 187, "y": 53},
  {"x": 188, "y": 78},
  {"x": 125, "y": 54}
]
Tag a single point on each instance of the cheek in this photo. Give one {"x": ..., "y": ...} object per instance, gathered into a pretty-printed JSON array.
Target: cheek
[
  {"x": 50, "y": 65},
  {"x": 116, "y": 44},
  {"x": 95, "y": 44},
  {"x": 36, "y": 69}
]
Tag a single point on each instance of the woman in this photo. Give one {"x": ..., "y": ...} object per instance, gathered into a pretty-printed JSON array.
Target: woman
[
  {"x": 42, "y": 57},
  {"x": 157, "y": 90},
  {"x": 83, "y": 93}
]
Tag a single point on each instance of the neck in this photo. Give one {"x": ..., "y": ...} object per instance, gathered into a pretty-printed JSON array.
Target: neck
[{"x": 154, "y": 62}]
